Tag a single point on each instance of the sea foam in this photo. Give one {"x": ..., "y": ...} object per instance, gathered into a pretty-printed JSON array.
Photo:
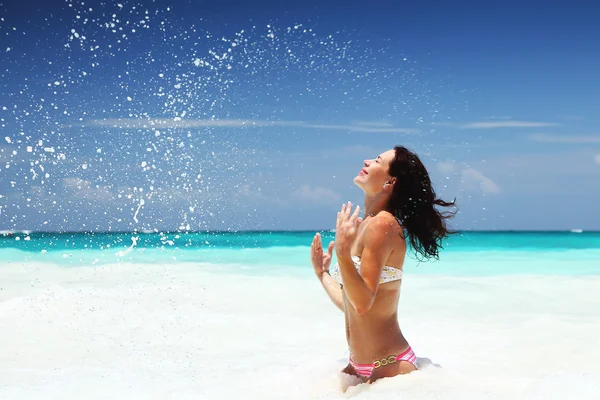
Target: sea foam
[{"x": 148, "y": 331}]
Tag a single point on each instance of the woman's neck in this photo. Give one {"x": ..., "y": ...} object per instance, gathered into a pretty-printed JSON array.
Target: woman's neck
[{"x": 374, "y": 204}]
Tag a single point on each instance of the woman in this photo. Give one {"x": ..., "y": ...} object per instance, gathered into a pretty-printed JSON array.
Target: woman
[{"x": 365, "y": 283}]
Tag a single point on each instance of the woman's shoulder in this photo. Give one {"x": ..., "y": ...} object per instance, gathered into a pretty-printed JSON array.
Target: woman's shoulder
[
  {"x": 383, "y": 235},
  {"x": 381, "y": 223},
  {"x": 385, "y": 223},
  {"x": 385, "y": 219}
]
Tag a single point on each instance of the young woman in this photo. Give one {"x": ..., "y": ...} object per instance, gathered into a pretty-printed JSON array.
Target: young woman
[{"x": 400, "y": 205}]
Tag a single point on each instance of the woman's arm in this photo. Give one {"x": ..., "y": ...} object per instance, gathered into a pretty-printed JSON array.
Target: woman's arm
[
  {"x": 361, "y": 288},
  {"x": 333, "y": 289},
  {"x": 321, "y": 261}
]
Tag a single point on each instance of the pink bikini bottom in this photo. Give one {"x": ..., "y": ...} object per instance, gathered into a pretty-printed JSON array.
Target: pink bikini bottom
[{"x": 366, "y": 370}]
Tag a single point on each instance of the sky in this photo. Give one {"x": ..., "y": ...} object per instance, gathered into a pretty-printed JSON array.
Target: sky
[{"x": 178, "y": 114}]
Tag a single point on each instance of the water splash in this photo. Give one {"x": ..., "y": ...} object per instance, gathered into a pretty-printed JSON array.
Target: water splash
[{"x": 138, "y": 107}]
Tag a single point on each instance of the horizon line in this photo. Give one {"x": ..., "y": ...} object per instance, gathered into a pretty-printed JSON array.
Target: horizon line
[{"x": 6, "y": 233}]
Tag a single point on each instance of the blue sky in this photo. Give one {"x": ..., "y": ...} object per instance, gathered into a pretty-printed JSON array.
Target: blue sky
[{"x": 169, "y": 114}]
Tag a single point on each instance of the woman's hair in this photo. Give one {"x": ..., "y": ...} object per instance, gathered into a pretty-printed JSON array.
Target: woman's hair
[{"x": 413, "y": 202}]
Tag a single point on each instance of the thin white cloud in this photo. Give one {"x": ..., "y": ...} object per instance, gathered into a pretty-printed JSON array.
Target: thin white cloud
[
  {"x": 355, "y": 128},
  {"x": 597, "y": 158},
  {"x": 565, "y": 139},
  {"x": 251, "y": 194},
  {"x": 374, "y": 124},
  {"x": 446, "y": 167},
  {"x": 474, "y": 178},
  {"x": 164, "y": 194},
  {"x": 343, "y": 153},
  {"x": 132, "y": 123},
  {"x": 177, "y": 123},
  {"x": 317, "y": 195},
  {"x": 450, "y": 124},
  {"x": 84, "y": 189},
  {"x": 539, "y": 166},
  {"x": 506, "y": 124},
  {"x": 471, "y": 178}
]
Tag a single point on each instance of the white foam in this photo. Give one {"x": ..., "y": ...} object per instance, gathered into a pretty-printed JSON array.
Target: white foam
[{"x": 177, "y": 331}]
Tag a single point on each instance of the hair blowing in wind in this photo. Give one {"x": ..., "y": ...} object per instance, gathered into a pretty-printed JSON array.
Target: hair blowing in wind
[{"x": 414, "y": 203}]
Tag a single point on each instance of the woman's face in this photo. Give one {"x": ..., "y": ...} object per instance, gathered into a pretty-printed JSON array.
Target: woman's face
[{"x": 375, "y": 173}]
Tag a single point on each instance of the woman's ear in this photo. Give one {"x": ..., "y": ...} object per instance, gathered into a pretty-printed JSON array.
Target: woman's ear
[{"x": 389, "y": 183}]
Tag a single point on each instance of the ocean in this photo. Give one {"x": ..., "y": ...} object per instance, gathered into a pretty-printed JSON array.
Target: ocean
[{"x": 231, "y": 315}]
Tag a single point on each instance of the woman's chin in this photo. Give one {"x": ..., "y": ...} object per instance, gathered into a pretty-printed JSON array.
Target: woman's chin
[{"x": 358, "y": 181}]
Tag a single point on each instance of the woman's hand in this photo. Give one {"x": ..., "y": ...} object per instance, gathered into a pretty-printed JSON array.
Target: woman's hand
[
  {"x": 346, "y": 229},
  {"x": 320, "y": 260}
]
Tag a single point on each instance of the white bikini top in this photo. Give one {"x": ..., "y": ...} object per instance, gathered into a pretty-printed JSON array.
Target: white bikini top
[{"x": 388, "y": 274}]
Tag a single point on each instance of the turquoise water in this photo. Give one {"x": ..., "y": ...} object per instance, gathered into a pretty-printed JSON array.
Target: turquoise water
[{"x": 470, "y": 253}]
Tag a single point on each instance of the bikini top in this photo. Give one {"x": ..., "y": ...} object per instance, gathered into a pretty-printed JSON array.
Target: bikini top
[{"x": 388, "y": 274}]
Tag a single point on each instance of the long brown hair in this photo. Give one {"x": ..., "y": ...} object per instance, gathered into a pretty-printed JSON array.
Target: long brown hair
[{"x": 414, "y": 202}]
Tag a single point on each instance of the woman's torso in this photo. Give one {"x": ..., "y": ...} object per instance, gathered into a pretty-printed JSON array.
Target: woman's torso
[{"x": 376, "y": 333}]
